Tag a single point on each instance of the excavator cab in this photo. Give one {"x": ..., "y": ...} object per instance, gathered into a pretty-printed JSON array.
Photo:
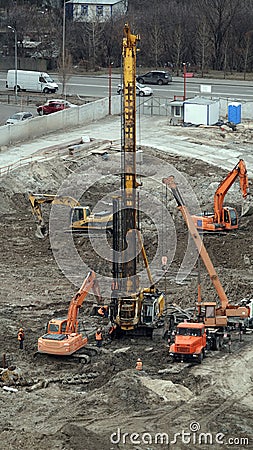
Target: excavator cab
[
  {"x": 56, "y": 326},
  {"x": 152, "y": 307},
  {"x": 230, "y": 218},
  {"x": 78, "y": 213}
]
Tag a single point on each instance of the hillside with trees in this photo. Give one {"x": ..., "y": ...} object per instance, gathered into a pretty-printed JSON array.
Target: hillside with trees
[{"x": 205, "y": 34}]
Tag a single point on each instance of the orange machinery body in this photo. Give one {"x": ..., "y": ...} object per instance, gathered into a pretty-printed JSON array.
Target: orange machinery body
[
  {"x": 224, "y": 218},
  {"x": 62, "y": 337},
  {"x": 59, "y": 342},
  {"x": 207, "y": 221},
  {"x": 190, "y": 340}
]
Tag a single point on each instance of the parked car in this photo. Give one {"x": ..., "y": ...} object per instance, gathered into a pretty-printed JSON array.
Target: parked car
[
  {"x": 18, "y": 117},
  {"x": 155, "y": 77},
  {"x": 52, "y": 106},
  {"x": 141, "y": 90}
]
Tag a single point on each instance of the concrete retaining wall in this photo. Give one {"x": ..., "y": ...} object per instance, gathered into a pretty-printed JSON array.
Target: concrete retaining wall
[
  {"x": 82, "y": 115},
  {"x": 72, "y": 117}
]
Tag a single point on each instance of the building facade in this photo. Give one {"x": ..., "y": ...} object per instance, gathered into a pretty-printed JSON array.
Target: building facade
[{"x": 95, "y": 10}]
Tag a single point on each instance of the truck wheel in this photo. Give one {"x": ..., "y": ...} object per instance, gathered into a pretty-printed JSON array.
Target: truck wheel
[
  {"x": 46, "y": 91},
  {"x": 217, "y": 343},
  {"x": 200, "y": 357},
  {"x": 18, "y": 88}
]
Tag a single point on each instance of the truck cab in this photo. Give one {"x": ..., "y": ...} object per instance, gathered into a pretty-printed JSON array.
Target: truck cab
[{"x": 190, "y": 342}]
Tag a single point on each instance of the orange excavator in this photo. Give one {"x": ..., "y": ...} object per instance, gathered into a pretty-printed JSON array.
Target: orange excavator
[
  {"x": 62, "y": 337},
  {"x": 224, "y": 218}
]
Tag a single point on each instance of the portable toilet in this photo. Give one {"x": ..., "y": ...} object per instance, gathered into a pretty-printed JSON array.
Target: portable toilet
[{"x": 234, "y": 112}]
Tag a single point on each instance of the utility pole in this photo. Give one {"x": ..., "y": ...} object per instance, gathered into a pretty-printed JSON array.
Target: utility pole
[
  {"x": 63, "y": 49},
  {"x": 184, "y": 71},
  {"x": 110, "y": 87},
  {"x": 16, "y": 61}
]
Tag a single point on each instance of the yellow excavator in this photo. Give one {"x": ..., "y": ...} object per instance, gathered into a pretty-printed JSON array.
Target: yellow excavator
[
  {"x": 134, "y": 310},
  {"x": 81, "y": 217}
]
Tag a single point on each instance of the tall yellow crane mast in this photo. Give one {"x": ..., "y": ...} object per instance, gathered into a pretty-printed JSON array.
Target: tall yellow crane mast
[
  {"x": 132, "y": 308},
  {"x": 129, "y": 183}
]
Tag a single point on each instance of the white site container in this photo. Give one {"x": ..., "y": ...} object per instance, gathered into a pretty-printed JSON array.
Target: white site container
[{"x": 201, "y": 111}]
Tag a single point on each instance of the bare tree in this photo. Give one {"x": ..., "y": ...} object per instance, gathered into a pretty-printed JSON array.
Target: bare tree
[
  {"x": 248, "y": 42},
  {"x": 203, "y": 46},
  {"x": 64, "y": 69},
  {"x": 178, "y": 48},
  {"x": 219, "y": 14}
]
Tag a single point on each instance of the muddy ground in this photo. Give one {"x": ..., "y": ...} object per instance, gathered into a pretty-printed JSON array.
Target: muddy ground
[{"x": 68, "y": 405}]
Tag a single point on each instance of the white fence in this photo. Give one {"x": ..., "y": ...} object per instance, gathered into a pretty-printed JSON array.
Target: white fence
[{"x": 154, "y": 106}]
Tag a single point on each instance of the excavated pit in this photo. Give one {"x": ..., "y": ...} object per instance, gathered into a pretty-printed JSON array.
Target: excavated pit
[{"x": 66, "y": 405}]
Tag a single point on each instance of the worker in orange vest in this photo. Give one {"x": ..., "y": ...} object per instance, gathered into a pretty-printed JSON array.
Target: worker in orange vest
[
  {"x": 21, "y": 337},
  {"x": 103, "y": 311},
  {"x": 112, "y": 331},
  {"x": 99, "y": 337},
  {"x": 139, "y": 364}
]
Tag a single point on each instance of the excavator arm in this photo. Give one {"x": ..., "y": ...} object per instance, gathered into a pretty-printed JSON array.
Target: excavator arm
[
  {"x": 89, "y": 283},
  {"x": 238, "y": 171},
  {"x": 197, "y": 240},
  {"x": 226, "y": 309},
  {"x": 36, "y": 200}
]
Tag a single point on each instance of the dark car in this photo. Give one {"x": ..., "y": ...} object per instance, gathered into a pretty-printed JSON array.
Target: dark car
[
  {"x": 155, "y": 77},
  {"x": 52, "y": 106}
]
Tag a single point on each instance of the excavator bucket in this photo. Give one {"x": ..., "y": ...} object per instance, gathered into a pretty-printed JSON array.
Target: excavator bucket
[
  {"x": 247, "y": 207},
  {"x": 41, "y": 232}
]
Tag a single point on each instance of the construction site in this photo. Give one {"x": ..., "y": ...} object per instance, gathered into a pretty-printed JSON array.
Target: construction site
[{"x": 150, "y": 257}]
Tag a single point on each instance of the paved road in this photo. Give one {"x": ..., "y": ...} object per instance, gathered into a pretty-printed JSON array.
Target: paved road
[
  {"x": 98, "y": 86},
  {"x": 154, "y": 133}
]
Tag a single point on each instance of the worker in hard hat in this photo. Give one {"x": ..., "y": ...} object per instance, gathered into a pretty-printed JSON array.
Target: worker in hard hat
[
  {"x": 103, "y": 311},
  {"x": 112, "y": 331},
  {"x": 99, "y": 337},
  {"x": 138, "y": 364},
  {"x": 21, "y": 337}
]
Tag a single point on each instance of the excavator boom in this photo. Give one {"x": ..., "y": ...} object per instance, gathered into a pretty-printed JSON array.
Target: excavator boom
[
  {"x": 225, "y": 218},
  {"x": 219, "y": 196},
  {"x": 78, "y": 299},
  {"x": 197, "y": 240},
  {"x": 36, "y": 200},
  {"x": 226, "y": 309}
]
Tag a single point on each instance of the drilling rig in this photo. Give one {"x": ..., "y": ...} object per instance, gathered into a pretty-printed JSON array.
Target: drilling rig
[{"x": 134, "y": 310}]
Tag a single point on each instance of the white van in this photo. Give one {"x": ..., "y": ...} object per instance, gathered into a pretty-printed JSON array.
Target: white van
[{"x": 28, "y": 80}]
